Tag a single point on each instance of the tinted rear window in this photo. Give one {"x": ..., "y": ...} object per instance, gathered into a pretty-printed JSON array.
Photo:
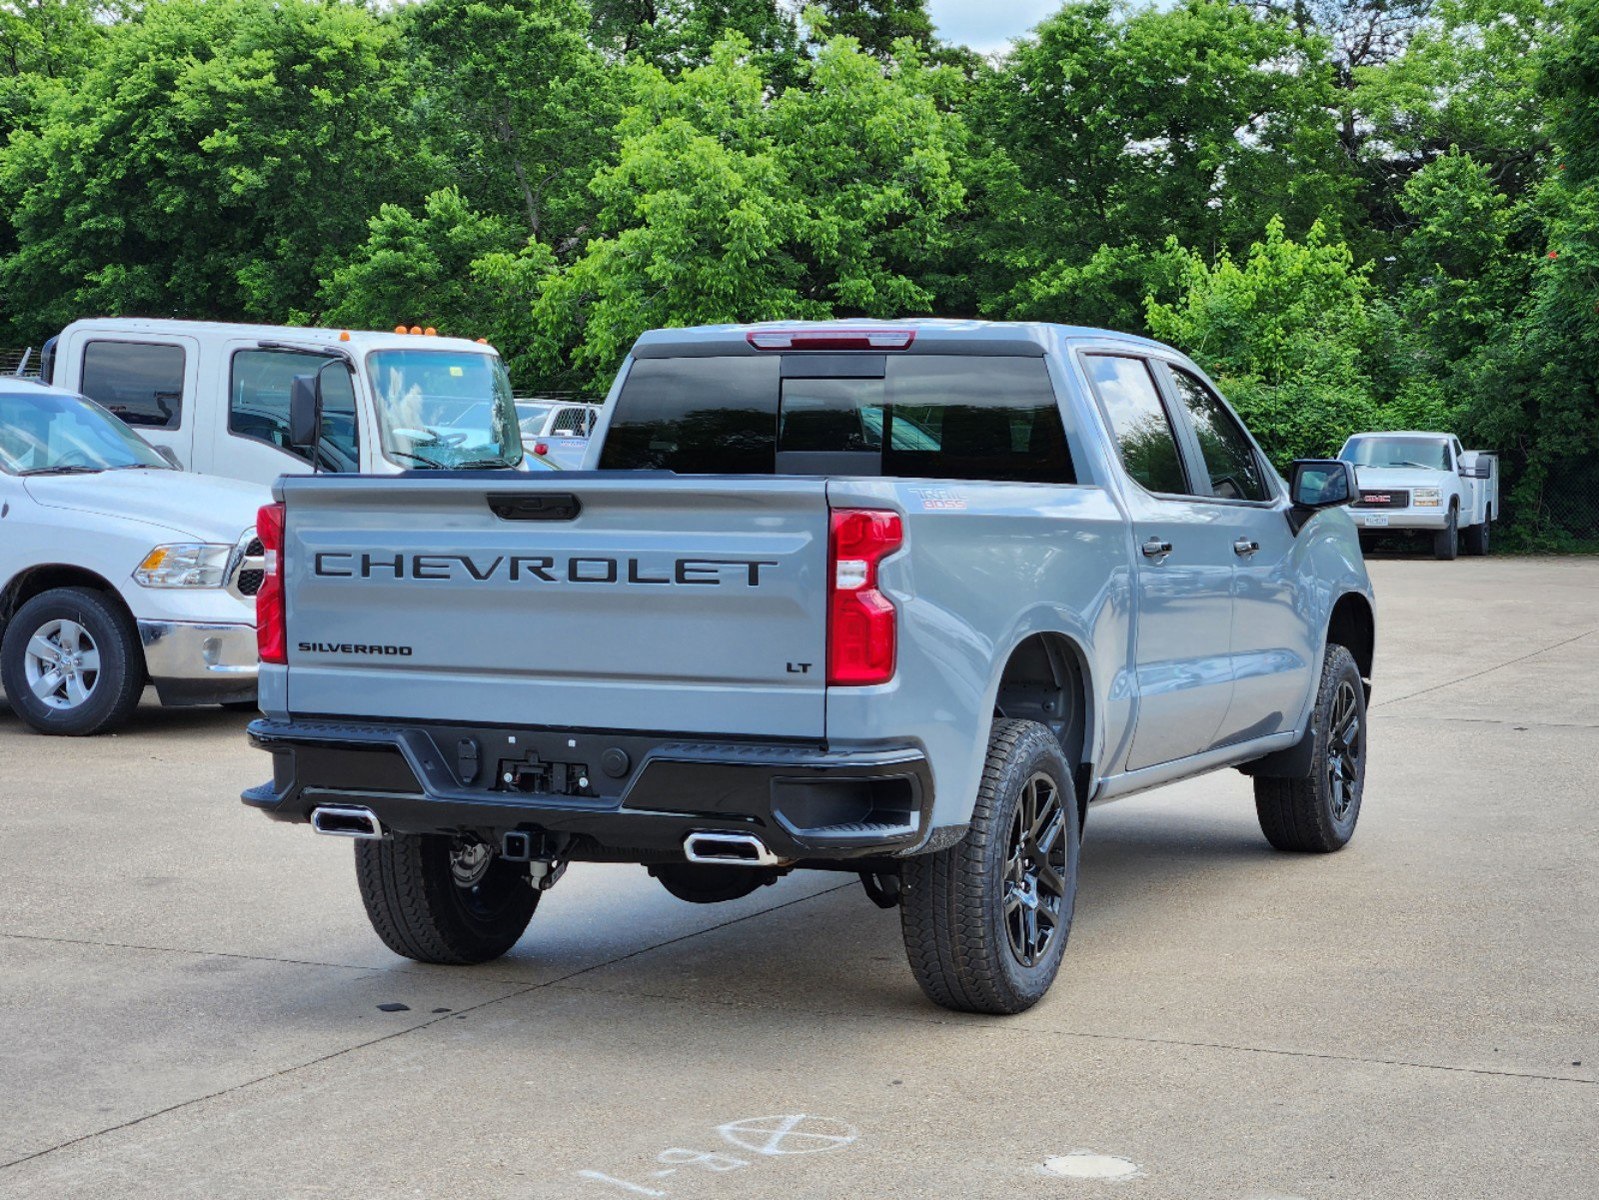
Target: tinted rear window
[
  {"x": 927, "y": 416},
  {"x": 141, "y": 383}
]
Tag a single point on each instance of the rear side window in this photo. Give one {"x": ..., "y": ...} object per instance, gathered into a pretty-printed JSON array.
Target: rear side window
[
  {"x": 140, "y": 382},
  {"x": 1230, "y": 461},
  {"x": 923, "y": 416},
  {"x": 1139, "y": 421},
  {"x": 258, "y": 403},
  {"x": 696, "y": 416}
]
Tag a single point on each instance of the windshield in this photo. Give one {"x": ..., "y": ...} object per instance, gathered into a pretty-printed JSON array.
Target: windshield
[
  {"x": 448, "y": 409},
  {"x": 1428, "y": 453},
  {"x": 44, "y": 433}
]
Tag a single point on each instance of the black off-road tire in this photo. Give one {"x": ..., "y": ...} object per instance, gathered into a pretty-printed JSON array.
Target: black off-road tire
[
  {"x": 1474, "y": 539},
  {"x": 420, "y": 911},
  {"x": 953, "y": 908},
  {"x": 1446, "y": 542},
  {"x": 118, "y": 682},
  {"x": 1316, "y": 814}
]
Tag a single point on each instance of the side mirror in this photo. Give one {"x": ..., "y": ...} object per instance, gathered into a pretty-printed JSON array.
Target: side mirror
[
  {"x": 305, "y": 404},
  {"x": 1321, "y": 483},
  {"x": 168, "y": 453}
]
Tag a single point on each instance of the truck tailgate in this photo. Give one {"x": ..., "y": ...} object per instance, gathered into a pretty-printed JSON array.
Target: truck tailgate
[{"x": 613, "y": 601}]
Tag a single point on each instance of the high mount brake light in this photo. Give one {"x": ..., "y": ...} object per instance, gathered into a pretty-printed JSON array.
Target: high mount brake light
[
  {"x": 271, "y": 638},
  {"x": 831, "y": 339},
  {"x": 861, "y": 622}
]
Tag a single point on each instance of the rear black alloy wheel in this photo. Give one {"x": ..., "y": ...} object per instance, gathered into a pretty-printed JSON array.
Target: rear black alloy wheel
[
  {"x": 442, "y": 899},
  {"x": 1035, "y": 871},
  {"x": 986, "y": 921},
  {"x": 1318, "y": 812}
]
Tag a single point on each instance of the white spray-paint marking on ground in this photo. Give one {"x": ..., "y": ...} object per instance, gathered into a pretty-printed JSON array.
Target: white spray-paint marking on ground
[
  {"x": 795, "y": 1134},
  {"x": 1085, "y": 1164}
]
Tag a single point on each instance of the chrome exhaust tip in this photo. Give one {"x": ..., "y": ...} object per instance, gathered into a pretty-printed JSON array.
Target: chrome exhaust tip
[
  {"x": 728, "y": 850},
  {"x": 346, "y": 820}
]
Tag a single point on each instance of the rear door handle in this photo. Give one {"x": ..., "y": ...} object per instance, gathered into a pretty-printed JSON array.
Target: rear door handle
[
  {"x": 1244, "y": 547},
  {"x": 1156, "y": 548}
]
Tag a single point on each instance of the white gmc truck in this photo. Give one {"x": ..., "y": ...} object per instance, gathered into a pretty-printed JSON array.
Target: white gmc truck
[{"x": 1424, "y": 483}]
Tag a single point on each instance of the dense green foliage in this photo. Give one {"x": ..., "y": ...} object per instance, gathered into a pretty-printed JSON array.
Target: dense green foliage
[{"x": 1354, "y": 213}]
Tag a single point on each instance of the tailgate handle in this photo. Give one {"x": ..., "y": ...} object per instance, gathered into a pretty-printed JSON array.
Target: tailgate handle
[{"x": 535, "y": 506}]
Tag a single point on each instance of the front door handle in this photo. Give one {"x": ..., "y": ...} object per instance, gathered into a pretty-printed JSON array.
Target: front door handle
[
  {"x": 1244, "y": 547},
  {"x": 1156, "y": 548}
]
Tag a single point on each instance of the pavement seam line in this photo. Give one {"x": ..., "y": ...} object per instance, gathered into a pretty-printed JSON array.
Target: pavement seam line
[
  {"x": 1485, "y": 671},
  {"x": 398, "y": 1033},
  {"x": 1115, "y": 1037},
  {"x": 263, "y": 958}
]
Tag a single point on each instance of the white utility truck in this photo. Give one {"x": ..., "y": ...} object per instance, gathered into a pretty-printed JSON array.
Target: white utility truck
[
  {"x": 1424, "y": 483},
  {"x": 216, "y": 398}
]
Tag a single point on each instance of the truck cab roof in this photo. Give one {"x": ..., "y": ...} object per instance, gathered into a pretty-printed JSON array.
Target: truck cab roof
[
  {"x": 925, "y": 335},
  {"x": 354, "y": 339}
]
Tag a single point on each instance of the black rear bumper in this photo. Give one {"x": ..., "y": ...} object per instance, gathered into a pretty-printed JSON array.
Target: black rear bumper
[{"x": 610, "y": 797}]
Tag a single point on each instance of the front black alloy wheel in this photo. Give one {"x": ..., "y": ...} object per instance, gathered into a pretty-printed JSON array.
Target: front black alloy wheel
[
  {"x": 986, "y": 921},
  {"x": 1318, "y": 812}
]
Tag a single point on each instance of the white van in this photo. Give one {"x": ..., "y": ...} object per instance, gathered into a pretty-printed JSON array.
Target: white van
[{"x": 214, "y": 397}]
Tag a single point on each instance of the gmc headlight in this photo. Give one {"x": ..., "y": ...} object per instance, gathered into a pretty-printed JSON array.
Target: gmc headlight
[
  {"x": 190, "y": 564},
  {"x": 1424, "y": 497}
]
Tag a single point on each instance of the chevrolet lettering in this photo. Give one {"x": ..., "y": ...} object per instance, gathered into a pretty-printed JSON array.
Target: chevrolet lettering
[{"x": 548, "y": 568}]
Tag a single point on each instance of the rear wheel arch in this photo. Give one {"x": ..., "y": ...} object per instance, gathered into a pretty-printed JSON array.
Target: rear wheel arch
[{"x": 1046, "y": 679}]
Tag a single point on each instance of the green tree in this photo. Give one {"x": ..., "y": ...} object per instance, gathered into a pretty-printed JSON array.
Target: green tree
[
  {"x": 216, "y": 160},
  {"x": 729, "y": 204},
  {"x": 674, "y": 35},
  {"x": 1196, "y": 122},
  {"x": 465, "y": 273},
  {"x": 1283, "y": 334},
  {"x": 878, "y": 24},
  {"x": 520, "y": 104}
]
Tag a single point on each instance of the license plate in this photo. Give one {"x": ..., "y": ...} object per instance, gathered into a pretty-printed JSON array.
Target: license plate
[{"x": 1375, "y": 520}]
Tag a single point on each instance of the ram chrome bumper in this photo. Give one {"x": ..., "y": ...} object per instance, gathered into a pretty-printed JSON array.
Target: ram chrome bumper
[
  {"x": 618, "y": 796},
  {"x": 200, "y": 663}
]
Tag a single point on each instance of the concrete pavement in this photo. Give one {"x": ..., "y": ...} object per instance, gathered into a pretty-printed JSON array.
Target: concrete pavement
[{"x": 189, "y": 995}]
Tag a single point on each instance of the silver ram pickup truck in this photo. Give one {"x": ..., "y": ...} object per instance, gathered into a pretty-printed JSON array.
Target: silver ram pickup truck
[{"x": 904, "y": 600}]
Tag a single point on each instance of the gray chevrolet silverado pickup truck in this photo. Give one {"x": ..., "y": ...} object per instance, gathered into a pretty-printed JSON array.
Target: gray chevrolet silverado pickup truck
[{"x": 898, "y": 599}]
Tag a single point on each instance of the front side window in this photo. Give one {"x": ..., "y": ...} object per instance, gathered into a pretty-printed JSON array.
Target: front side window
[
  {"x": 258, "y": 403},
  {"x": 47, "y": 433},
  {"x": 139, "y": 382},
  {"x": 444, "y": 409},
  {"x": 1139, "y": 421},
  {"x": 923, "y": 416},
  {"x": 1230, "y": 460}
]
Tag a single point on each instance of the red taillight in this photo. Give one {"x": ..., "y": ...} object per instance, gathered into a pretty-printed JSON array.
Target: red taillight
[
  {"x": 541, "y": 448},
  {"x": 271, "y": 639},
  {"x": 861, "y": 621},
  {"x": 831, "y": 339}
]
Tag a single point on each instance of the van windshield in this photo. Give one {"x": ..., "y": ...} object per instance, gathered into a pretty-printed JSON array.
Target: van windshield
[
  {"x": 47, "y": 433},
  {"x": 444, "y": 409}
]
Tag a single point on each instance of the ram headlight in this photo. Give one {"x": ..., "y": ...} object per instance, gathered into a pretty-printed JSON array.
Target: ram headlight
[
  {"x": 1424, "y": 497},
  {"x": 189, "y": 564}
]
